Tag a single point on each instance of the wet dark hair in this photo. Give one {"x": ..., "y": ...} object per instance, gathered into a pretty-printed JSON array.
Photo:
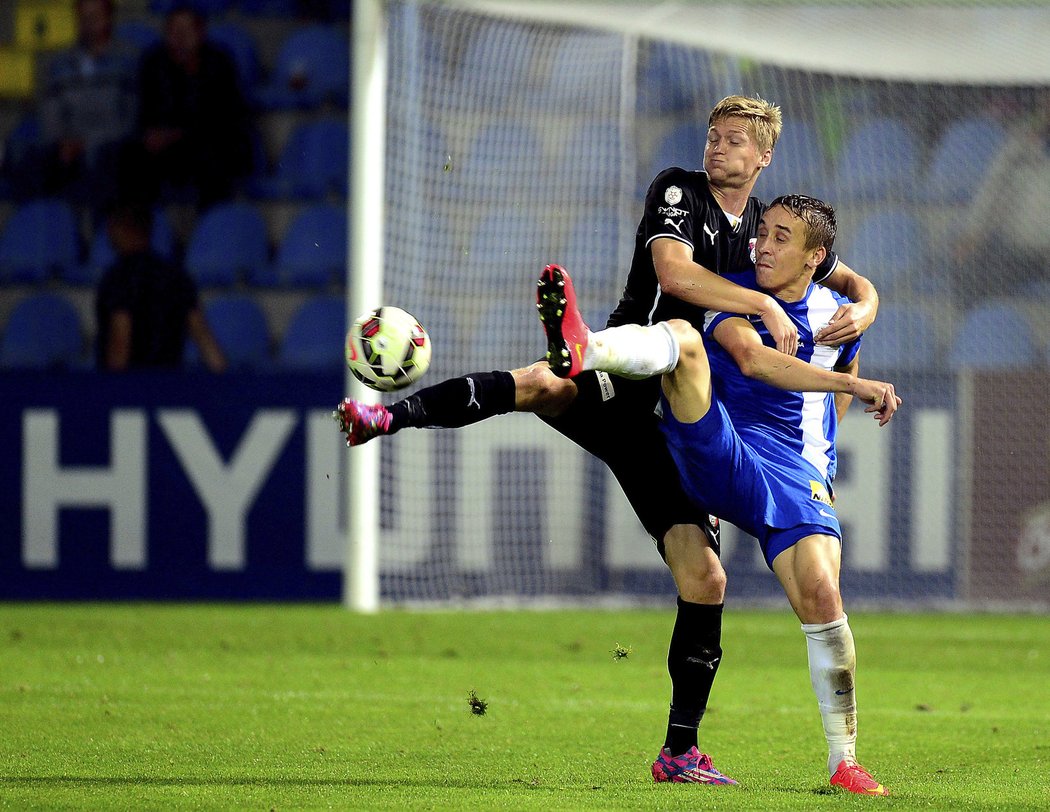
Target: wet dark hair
[{"x": 818, "y": 216}]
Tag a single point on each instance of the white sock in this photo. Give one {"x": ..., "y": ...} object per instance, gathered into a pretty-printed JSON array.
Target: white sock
[
  {"x": 632, "y": 351},
  {"x": 832, "y": 668}
]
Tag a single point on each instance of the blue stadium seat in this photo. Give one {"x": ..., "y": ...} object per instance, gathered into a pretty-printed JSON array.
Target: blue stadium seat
[
  {"x": 312, "y": 67},
  {"x": 591, "y": 162},
  {"x": 903, "y": 338},
  {"x": 101, "y": 253},
  {"x": 676, "y": 77},
  {"x": 682, "y": 145},
  {"x": 505, "y": 256},
  {"x": 137, "y": 34},
  {"x": 313, "y": 163},
  {"x": 228, "y": 245},
  {"x": 963, "y": 152},
  {"x": 584, "y": 73},
  {"x": 888, "y": 247},
  {"x": 507, "y": 335},
  {"x": 208, "y": 8},
  {"x": 43, "y": 332},
  {"x": 239, "y": 43},
  {"x": 879, "y": 161},
  {"x": 496, "y": 68},
  {"x": 799, "y": 164},
  {"x": 502, "y": 159},
  {"x": 997, "y": 335},
  {"x": 269, "y": 8},
  {"x": 313, "y": 250},
  {"x": 40, "y": 239},
  {"x": 240, "y": 327},
  {"x": 597, "y": 252},
  {"x": 315, "y": 335}
]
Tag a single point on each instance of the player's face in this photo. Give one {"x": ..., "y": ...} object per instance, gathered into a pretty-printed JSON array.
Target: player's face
[
  {"x": 782, "y": 262},
  {"x": 731, "y": 157}
]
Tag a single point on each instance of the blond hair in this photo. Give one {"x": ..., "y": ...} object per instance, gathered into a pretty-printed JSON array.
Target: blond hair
[{"x": 763, "y": 118}]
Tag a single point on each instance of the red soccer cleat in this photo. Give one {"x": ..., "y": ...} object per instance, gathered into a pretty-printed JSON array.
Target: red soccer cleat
[
  {"x": 854, "y": 778},
  {"x": 567, "y": 333}
]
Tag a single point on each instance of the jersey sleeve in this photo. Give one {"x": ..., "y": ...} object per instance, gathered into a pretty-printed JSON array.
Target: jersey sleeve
[
  {"x": 849, "y": 352},
  {"x": 670, "y": 206},
  {"x": 826, "y": 268}
]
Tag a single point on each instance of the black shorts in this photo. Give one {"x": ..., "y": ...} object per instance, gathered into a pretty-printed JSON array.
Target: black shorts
[{"x": 614, "y": 419}]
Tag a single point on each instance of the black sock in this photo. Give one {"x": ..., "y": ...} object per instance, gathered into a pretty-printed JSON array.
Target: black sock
[
  {"x": 692, "y": 661},
  {"x": 456, "y": 402}
]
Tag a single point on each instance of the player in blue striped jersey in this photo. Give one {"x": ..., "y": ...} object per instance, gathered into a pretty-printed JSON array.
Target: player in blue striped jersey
[{"x": 752, "y": 431}]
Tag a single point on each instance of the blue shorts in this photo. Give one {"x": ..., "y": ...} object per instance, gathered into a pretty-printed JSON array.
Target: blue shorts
[{"x": 772, "y": 493}]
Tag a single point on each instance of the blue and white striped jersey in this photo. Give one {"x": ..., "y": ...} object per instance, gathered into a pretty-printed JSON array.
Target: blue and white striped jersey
[{"x": 782, "y": 425}]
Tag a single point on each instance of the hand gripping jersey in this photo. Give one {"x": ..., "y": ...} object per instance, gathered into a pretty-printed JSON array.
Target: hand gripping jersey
[{"x": 680, "y": 205}]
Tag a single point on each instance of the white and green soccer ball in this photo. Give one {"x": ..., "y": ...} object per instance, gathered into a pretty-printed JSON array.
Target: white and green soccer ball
[{"x": 387, "y": 349}]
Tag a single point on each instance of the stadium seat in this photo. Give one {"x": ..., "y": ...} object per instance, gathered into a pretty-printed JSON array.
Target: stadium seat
[
  {"x": 137, "y": 34},
  {"x": 496, "y": 68},
  {"x": 584, "y": 72},
  {"x": 312, "y": 67},
  {"x": 101, "y": 253},
  {"x": 799, "y": 164},
  {"x": 502, "y": 159},
  {"x": 287, "y": 9},
  {"x": 879, "y": 161},
  {"x": 888, "y": 246},
  {"x": 506, "y": 336},
  {"x": 963, "y": 152},
  {"x": 315, "y": 335},
  {"x": 903, "y": 338},
  {"x": 597, "y": 251},
  {"x": 41, "y": 238},
  {"x": 997, "y": 335},
  {"x": 43, "y": 332},
  {"x": 240, "y": 327},
  {"x": 313, "y": 250},
  {"x": 239, "y": 43},
  {"x": 505, "y": 256},
  {"x": 207, "y": 7},
  {"x": 676, "y": 78},
  {"x": 43, "y": 26},
  {"x": 682, "y": 145},
  {"x": 313, "y": 163},
  {"x": 229, "y": 244},
  {"x": 592, "y": 161}
]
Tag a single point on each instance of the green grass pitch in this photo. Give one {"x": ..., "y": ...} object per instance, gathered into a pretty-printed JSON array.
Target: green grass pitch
[{"x": 113, "y": 706}]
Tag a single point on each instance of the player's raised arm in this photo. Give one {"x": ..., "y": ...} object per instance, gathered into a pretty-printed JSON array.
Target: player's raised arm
[
  {"x": 740, "y": 339},
  {"x": 852, "y": 319},
  {"x": 681, "y": 277}
]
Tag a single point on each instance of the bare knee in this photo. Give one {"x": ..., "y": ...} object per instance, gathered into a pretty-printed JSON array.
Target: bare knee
[
  {"x": 695, "y": 566},
  {"x": 820, "y": 600},
  {"x": 538, "y": 390},
  {"x": 690, "y": 342}
]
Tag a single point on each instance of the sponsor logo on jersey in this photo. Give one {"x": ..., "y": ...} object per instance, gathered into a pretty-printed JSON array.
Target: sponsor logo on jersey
[
  {"x": 819, "y": 493},
  {"x": 751, "y": 249},
  {"x": 672, "y": 211},
  {"x": 672, "y": 194}
]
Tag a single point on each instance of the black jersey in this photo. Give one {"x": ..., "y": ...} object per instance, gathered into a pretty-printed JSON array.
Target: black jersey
[{"x": 679, "y": 205}]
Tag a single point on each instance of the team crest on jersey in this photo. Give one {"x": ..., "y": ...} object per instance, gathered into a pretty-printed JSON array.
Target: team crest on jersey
[
  {"x": 672, "y": 195},
  {"x": 819, "y": 493},
  {"x": 751, "y": 249}
]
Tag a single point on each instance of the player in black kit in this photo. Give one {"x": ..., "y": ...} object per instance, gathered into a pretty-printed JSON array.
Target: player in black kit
[{"x": 696, "y": 226}]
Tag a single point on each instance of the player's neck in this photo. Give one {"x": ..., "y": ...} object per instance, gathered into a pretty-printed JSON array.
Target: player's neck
[{"x": 732, "y": 199}]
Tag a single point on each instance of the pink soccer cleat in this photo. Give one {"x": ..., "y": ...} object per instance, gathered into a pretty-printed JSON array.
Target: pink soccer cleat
[
  {"x": 854, "y": 778},
  {"x": 360, "y": 422},
  {"x": 692, "y": 767},
  {"x": 566, "y": 332}
]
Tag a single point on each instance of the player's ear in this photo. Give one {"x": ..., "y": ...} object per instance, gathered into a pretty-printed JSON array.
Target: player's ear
[
  {"x": 765, "y": 158},
  {"x": 819, "y": 253}
]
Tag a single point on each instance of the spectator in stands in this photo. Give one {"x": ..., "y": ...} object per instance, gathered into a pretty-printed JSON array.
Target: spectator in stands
[
  {"x": 87, "y": 110},
  {"x": 1005, "y": 242},
  {"x": 145, "y": 306},
  {"x": 194, "y": 122}
]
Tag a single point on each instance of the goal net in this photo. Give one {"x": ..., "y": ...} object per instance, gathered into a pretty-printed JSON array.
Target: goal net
[{"x": 524, "y": 133}]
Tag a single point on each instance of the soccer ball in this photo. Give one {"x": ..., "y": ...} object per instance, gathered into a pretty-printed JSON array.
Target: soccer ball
[{"x": 387, "y": 349}]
